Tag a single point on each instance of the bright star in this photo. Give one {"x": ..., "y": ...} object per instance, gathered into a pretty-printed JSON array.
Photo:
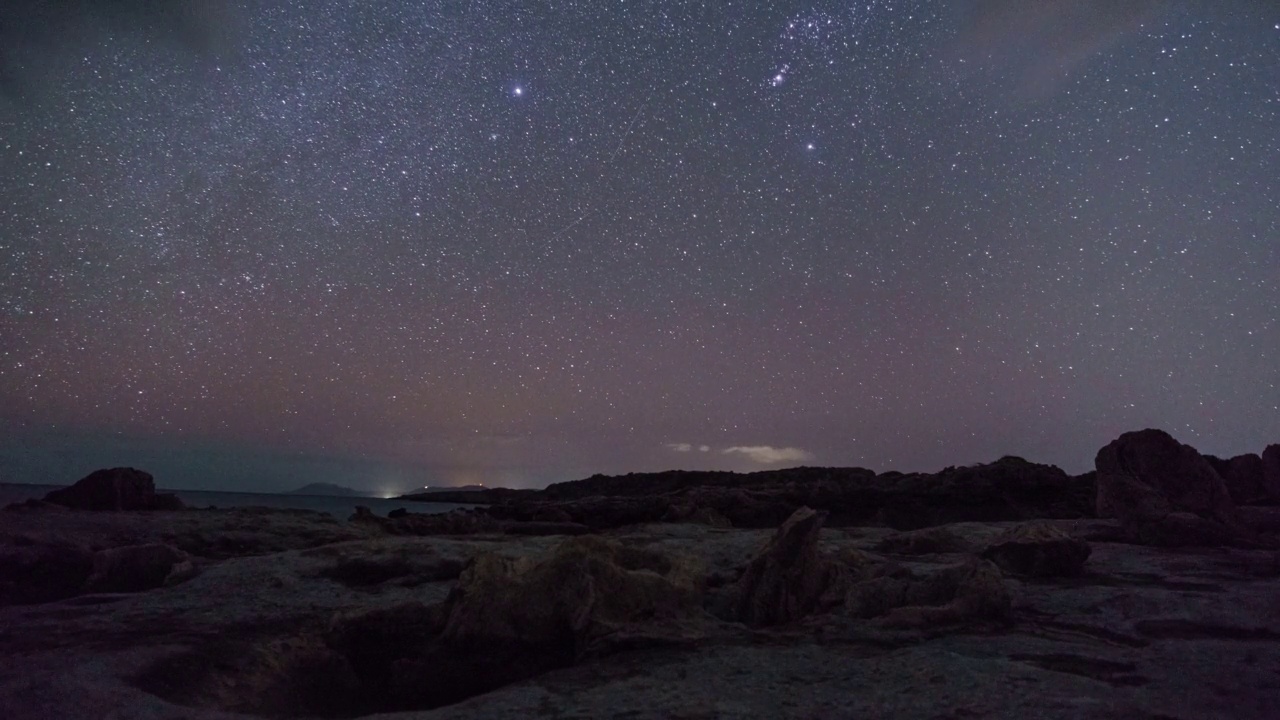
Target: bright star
[{"x": 517, "y": 91}]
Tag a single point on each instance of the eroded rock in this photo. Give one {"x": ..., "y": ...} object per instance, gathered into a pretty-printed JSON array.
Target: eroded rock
[
  {"x": 1144, "y": 477},
  {"x": 1037, "y": 549},
  {"x": 1243, "y": 476},
  {"x": 788, "y": 579},
  {"x": 511, "y": 618},
  {"x": 114, "y": 489},
  {"x": 970, "y": 591},
  {"x": 1271, "y": 473},
  {"x": 134, "y": 568}
]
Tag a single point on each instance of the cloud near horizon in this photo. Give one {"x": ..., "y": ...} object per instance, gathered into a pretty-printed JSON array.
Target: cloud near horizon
[{"x": 769, "y": 455}]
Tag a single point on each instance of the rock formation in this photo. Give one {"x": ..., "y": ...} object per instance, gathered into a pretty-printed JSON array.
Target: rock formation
[
  {"x": 973, "y": 590},
  {"x": 134, "y": 568},
  {"x": 1271, "y": 473},
  {"x": 1164, "y": 491},
  {"x": 114, "y": 489},
  {"x": 1037, "y": 549},
  {"x": 511, "y": 618},
  {"x": 729, "y": 598},
  {"x": 1243, "y": 477},
  {"x": 789, "y": 577}
]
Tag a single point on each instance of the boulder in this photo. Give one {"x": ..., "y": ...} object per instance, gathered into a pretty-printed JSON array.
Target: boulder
[
  {"x": 1144, "y": 476},
  {"x": 1243, "y": 476},
  {"x": 1271, "y": 473},
  {"x": 134, "y": 568},
  {"x": 1037, "y": 549},
  {"x": 788, "y": 579},
  {"x": 114, "y": 489}
]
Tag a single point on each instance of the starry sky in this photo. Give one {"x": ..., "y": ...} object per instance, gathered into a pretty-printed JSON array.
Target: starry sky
[{"x": 251, "y": 244}]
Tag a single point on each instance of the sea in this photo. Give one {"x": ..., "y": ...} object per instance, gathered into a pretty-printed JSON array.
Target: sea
[{"x": 340, "y": 507}]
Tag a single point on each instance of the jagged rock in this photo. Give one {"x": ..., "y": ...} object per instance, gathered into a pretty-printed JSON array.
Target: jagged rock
[
  {"x": 397, "y": 513},
  {"x": 1145, "y": 476},
  {"x": 939, "y": 539},
  {"x": 114, "y": 489},
  {"x": 1271, "y": 473},
  {"x": 134, "y": 568},
  {"x": 788, "y": 579},
  {"x": 1037, "y": 549},
  {"x": 972, "y": 590},
  {"x": 1243, "y": 476},
  {"x": 588, "y": 587},
  {"x": 511, "y": 618}
]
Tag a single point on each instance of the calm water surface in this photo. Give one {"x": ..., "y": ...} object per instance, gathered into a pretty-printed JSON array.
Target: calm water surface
[{"x": 339, "y": 507}]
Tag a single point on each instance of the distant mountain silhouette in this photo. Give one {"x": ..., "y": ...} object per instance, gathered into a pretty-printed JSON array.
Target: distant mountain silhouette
[{"x": 321, "y": 488}]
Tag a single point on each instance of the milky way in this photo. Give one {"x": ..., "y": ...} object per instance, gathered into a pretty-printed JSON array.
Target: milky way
[{"x": 410, "y": 242}]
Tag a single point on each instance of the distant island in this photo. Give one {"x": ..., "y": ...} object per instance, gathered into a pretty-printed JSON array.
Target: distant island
[
  {"x": 450, "y": 488},
  {"x": 330, "y": 489}
]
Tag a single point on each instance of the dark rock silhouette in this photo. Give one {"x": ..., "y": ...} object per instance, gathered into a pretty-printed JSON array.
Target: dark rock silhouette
[
  {"x": 1165, "y": 492},
  {"x": 1243, "y": 476},
  {"x": 1271, "y": 473},
  {"x": 114, "y": 489},
  {"x": 1009, "y": 489}
]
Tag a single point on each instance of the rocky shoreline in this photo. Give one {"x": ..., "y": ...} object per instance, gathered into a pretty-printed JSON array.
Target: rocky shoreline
[{"x": 1147, "y": 589}]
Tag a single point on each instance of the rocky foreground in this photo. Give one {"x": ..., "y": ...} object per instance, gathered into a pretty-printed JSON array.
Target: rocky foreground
[{"x": 1158, "y": 597}]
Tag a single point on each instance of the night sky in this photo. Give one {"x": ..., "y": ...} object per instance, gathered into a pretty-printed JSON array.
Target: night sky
[{"x": 390, "y": 243}]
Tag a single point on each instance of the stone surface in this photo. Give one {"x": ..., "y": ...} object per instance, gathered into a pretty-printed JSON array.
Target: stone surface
[
  {"x": 1243, "y": 476},
  {"x": 789, "y": 577},
  {"x": 1144, "y": 477},
  {"x": 114, "y": 489},
  {"x": 292, "y": 614},
  {"x": 1145, "y": 633},
  {"x": 940, "y": 539},
  {"x": 1038, "y": 549},
  {"x": 972, "y": 590},
  {"x": 510, "y": 618},
  {"x": 133, "y": 568},
  {"x": 1271, "y": 473}
]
